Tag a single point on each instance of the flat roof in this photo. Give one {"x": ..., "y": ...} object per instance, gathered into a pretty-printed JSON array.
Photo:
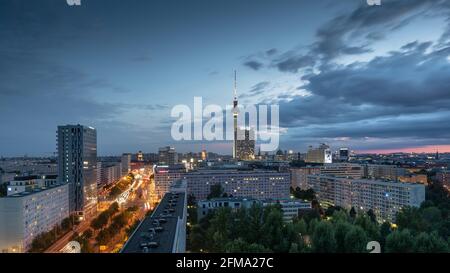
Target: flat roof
[
  {"x": 33, "y": 191},
  {"x": 164, "y": 238}
]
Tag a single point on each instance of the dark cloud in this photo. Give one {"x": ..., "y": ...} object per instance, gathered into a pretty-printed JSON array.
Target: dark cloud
[
  {"x": 405, "y": 94},
  {"x": 255, "y": 65},
  {"x": 294, "y": 63},
  {"x": 271, "y": 52},
  {"x": 256, "y": 89}
]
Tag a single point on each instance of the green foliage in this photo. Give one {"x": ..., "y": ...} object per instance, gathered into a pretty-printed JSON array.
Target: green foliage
[
  {"x": 44, "y": 240},
  {"x": 399, "y": 242},
  {"x": 3, "y": 189},
  {"x": 103, "y": 218},
  {"x": 216, "y": 191},
  {"x": 323, "y": 240},
  {"x": 261, "y": 229},
  {"x": 430, "y": 243},
  {"x": 303, "y": 194},
  {"x": 355, "y": 241},
  {"x": 120, "y": 187}
]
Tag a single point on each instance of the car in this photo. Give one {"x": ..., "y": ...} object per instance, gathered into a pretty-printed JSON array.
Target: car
[
  {"x": 153, "y": 244},
  {"x": 159, "y": 229}
]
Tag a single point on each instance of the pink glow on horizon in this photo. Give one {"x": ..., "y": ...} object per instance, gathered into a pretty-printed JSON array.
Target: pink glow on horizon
[{"x": 424, "y": 149}]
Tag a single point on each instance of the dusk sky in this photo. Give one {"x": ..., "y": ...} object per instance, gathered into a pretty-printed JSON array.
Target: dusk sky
[{"x": 371, "y": 78}]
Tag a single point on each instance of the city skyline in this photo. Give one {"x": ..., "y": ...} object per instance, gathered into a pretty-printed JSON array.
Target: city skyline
[{"x": 373, "y": 79}]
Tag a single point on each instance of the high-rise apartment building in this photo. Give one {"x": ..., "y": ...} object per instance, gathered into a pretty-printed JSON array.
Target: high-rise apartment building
[
  {"x": 299, "y": 176},
  {"x": 164, "y": 177},
  {"x": 344, "y": 154},
  {"x": 259, "y": 184},
  {"x": 322, "y": 154},
  {"x": 390, "y": 172},
  {"x": 126, "y": 163},
  {"x": 77, "y": 166},
  {"x": 245, "y": 144},
  {"x": 167, "y": 156},
  {"x": 108, "y": 172},
  {"x": 385, "y": 198},
  {"x": 28, "y": 213}
]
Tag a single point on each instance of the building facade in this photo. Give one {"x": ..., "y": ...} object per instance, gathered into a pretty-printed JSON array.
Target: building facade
[
  {"x": 385, "y": 198},
  {"x": 27, "y": 214},
  {"x": 299, "y": 176},
  {"x": 108, "y": 173},
  {"x": 29, "y": 183},
  {"x": 164, "y": 176},
  {"x": 167, "y": 156},
  {"x": 289, "y": 207},
  {"x": 349, "y": 170},
  {"x": 257, "y": 184},
  {"x": 126, "y": 163},
  {"x": 390, "y": 172},
  {"x": 77, "y": 166},
  {"x": 245, "y": 144},
  {"x": 322, "y": 154}
]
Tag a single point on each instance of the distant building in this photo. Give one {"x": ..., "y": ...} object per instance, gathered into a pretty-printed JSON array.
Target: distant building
[
  {"x": 389, "y": 172},
  {"x": 385, "y": 198},
  {"x": 299, "y": 176},
  {"x": 322, "y": 154},
  {"x": 168, "y": 156},
  {"x": 443, "y": 177},
  {"x": 164, "y": 231},
  {"x": 140, "y": 156},
  {"x": 344, "y": 154},
  {"x": 234, "y": 203},
  {"x": 6, "y": 177},
  {"x": 77, "y": 166},
  {"x": 126, "y": 163},
  {"x": 108, "y": 173},
  {"x": 204, "y": 155},
  {"x": 289, "y": 207},
  {"x": 349, "y": 170},
  {"x": 245, "y": 144},
  {"x": 27, "y": 214},
  {"x": 164, "y": 176},
  {"x": 258, "y": 184},
  {"x": 30, "y": 183},
  {"x": 414, "y": 178}
]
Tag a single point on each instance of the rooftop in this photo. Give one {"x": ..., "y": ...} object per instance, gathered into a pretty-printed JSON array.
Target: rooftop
[
  {"x": 33, "y": 191},
  {"x": 148, "y": 236}
]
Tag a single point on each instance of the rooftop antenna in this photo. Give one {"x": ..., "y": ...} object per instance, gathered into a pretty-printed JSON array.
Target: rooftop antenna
[{"x": 235, "y": 89}]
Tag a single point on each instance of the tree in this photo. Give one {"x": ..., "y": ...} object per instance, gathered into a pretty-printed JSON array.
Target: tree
[
  {"x": 355, "y": 240},
  {"x": 88, "y": 233},
  {"x": 191, "y": 201},
  {"x": 399, "y": 242},
  {"x": 340, "y": 231},
  {"x": 372, "y": 215},
  {"x": 66, "y": 224},
  {"x": 216, "y": 191},
  {"x": 385, "y": 230},
  {"x": 272, "y": 228},
  {"x": 323, "y": 240},
  {"x": 371, "y": 228},
  {"x": 430, "y": 243},
  {"x": 353, "y": 212}
]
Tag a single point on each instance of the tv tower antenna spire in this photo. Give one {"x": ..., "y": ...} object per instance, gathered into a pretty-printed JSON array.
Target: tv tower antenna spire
[{"x": 235, "y": 88}]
